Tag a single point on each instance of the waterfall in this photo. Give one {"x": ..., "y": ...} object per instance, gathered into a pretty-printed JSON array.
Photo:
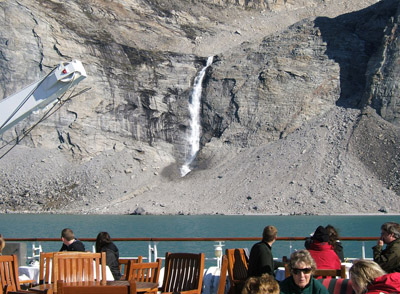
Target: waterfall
[{"x": 193, "y": 138}]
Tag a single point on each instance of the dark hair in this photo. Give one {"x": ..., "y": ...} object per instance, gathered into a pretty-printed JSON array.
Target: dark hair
[
  {"x": 333, "y": 236},
  {"x": 67, "y": 234},
  {"x": 103, "y": 239}
]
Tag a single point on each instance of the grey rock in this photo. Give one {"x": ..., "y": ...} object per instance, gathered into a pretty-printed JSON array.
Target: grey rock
[{"x": 305, "y": 93}]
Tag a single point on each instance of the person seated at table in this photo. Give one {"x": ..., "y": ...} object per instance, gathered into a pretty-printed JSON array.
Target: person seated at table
[
  {"x": 261, "y": 260},
  {"x": 302, "y": 266},
  {"x": 104, "y": 244},
  {"x": 335, "y": 242},
  {"x": 69, "y": 241},
  {"x": 266, "y": 284},
  {"x": 322, "y": 252},
  {"x": 368, "y": 277},
  {"x": 2, "y": 244}
]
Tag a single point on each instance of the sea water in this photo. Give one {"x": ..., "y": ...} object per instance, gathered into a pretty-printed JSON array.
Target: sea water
[{"x": 119, "y": 226}]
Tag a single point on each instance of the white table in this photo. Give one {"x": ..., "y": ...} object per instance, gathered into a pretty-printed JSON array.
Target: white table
[{"x": 32, "y": 272}]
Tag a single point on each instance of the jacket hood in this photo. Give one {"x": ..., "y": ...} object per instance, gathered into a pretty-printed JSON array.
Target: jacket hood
[
  {"x": 389, "y": 283},
  {"x": 320, "y": 246}
]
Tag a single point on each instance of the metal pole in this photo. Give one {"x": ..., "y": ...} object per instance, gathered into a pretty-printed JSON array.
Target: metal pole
[
  {"x": 150, "y": 250},
  {"x": 155, "y": 251},
  {"x": 363, "y": 250}
]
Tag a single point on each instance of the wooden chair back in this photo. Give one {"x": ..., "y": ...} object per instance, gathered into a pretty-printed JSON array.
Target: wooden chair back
[
  {"x": 90, "y": 288},
  {"x": 145, "y": 272},
  {"x": 183, "y": 273},
  {"x": 237, "y": 269},
  {"x": 223, "y": 275},
  {"x": 124, "y": 265},
  {"x": 323, "y": 273},
  {"x": 9, "y": 280},
  {"x": 27, "y": 292},
  {"x": 333, "y": 273},
  {"x": 45, "y": 267},
  {"x": 71, "y": 266}
]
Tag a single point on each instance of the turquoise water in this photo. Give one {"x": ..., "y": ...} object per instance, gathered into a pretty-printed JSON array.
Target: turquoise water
[{"x": 85, "y": 226}]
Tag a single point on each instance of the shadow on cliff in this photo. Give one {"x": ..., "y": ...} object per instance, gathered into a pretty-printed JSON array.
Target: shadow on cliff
[{"x": 351, "y": 41}]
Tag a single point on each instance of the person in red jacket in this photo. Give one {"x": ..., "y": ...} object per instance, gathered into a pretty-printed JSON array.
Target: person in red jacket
[
  {"x": 368, "y": 277},
  {"x": 322, "y": 252}
]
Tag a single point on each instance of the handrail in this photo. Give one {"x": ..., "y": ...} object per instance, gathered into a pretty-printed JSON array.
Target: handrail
[
  {"x": 152, "y": 242},
  {"x": 150, "y": 239}
]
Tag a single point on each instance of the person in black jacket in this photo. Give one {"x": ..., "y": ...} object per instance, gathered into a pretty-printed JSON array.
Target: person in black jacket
[
  {"x": 104, "y": 244},
  {"x": 69, "y": 241},
  {"x": 261, "y": 260}
]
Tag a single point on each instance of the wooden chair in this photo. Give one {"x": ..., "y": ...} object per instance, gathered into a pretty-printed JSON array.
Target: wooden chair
[
  {"x": 124, "y": 265},
  {"x": 183, "y": 273},
  {"x": 333, "y": 273},
  {"x": 25, "y": 292},
  {"x": 237, "y": 269},
  {"x": 45, "y": 267},
  {"x": 223, "y": 275},
  {"x": 79, "y": 266},
  {"x": 145, "y": 272},
  {"x": 90, "y": 288},
  {"x": 323, "y": 273},
  {"x": 9, "y": 280}
]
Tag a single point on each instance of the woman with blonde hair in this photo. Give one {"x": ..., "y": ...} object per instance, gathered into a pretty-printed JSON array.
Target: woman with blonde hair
[{"x": 368, "y": 277}]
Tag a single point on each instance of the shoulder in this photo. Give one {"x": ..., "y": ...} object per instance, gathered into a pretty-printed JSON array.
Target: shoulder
[
  {"x": 258, "y": 246},
  {"x": 78, "y": 245},
  {"x": 318, "y": 287}
]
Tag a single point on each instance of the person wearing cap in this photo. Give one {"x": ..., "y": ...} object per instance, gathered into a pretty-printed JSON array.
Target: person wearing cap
[
  {"x": 261, "y": 260},
  {"x": 388, "y": 258},
  {"x": 322, "y": 252}
]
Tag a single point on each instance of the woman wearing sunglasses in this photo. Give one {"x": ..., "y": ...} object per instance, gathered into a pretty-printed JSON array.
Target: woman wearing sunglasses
[{"x": 302, "y": 266}]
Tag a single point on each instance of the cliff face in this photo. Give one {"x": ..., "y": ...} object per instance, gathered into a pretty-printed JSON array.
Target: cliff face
[{"x": 278, "y": 65}]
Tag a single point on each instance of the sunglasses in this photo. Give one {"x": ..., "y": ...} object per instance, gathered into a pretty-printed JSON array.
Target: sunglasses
[{"x": 297, "y": 271}]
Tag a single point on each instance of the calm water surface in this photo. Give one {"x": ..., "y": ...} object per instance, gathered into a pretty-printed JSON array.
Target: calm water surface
[{"x": 85, "y": 226}]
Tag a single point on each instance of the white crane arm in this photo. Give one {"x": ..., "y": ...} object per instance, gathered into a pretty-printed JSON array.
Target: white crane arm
[{"x": 40, "y": 94}]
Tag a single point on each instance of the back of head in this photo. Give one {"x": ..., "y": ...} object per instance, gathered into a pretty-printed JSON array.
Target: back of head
[
  {"x": 392, "y": 228},
  {"x": 333, "y": 234},
  {"x": 67, "y": 234},
  {"x": 363, "y": 272},
  {"x": 265, "y": 284},
  {"x": 268, "y": 285},
  {"x": 302, "y": 256},
  {"x": 321, "y": 235},
  {"x": 270, "y": 233},
  {"x": 103, "y": 238}
]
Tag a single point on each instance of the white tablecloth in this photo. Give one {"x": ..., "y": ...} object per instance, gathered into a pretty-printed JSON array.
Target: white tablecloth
[
  {"x": 280, "y": 274},
  {"x": 32, "y": 272}
]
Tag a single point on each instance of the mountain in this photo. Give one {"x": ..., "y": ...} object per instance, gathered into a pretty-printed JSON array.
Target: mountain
[{"x": 299, "y": 109}]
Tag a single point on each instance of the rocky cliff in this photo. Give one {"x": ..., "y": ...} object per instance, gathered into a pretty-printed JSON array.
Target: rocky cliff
[{"x": 299, "y": 110}]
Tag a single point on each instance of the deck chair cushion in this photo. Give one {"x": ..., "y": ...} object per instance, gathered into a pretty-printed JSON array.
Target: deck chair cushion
[{"x": 338, "y": 286}]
